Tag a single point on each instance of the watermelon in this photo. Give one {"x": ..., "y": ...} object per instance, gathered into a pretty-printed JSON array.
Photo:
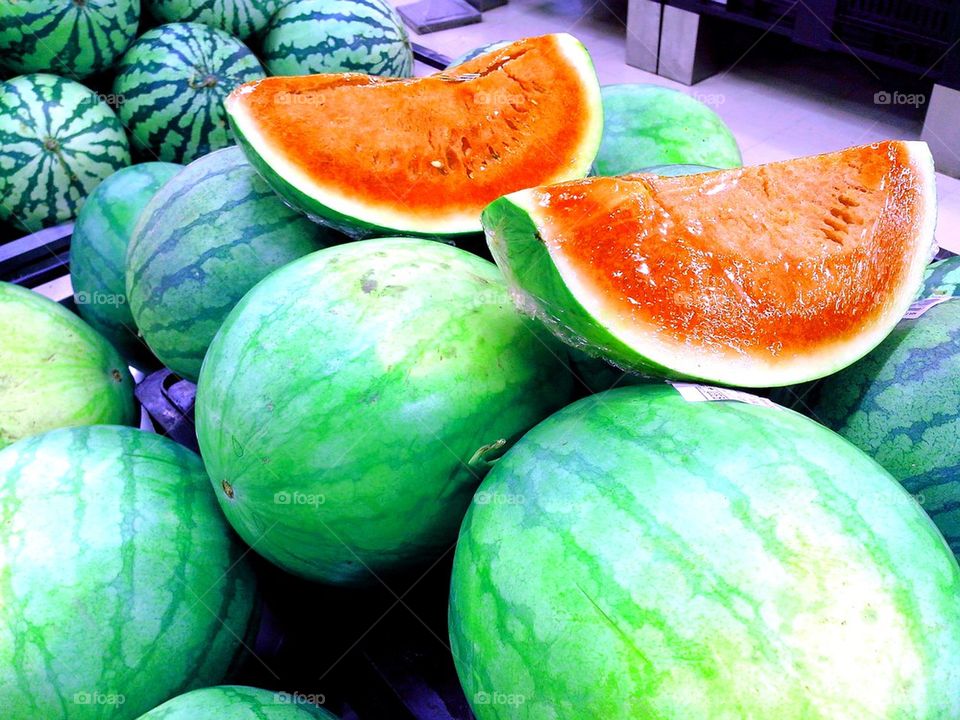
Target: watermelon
[
  {"x": 352, "y": 400},
  {"x": 236, "y": 702},
  {"x": 58, "y": 140},
  {"x": 761, "y": 277},
  {"x": 240, "y": 18},
  {"x": 122, "y": 585},
  {"x": 476, "y": 52},
  {"x": 98, "y": 250},
  {"x": 173, "y": 82},
  {"x": 641, "y": 556},
  {"x": 55, "y": 370},
  {"x": 209, "y": 235},
  {"x": 71, "y": 37},
  {"x": 647, "y": 125},
  {"x": 342, "y": 148},
  {"x": 335, "y": 36},
  {"x": 901, "y": 405},
  {"x": 942, "y": 277}
]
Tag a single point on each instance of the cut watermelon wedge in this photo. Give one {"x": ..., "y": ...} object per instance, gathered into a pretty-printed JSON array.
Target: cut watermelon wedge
[
  {"x": 758, "y": 277},
  {"x": 424, "y": 156}
]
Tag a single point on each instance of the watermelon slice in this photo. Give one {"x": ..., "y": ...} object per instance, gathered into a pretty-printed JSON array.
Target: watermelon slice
[
  {"x": 424, "y": 156},
  {"x": 758, "y": 277}
]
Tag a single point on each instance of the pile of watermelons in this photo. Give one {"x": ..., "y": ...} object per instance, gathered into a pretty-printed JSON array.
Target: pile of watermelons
[{"x": 367, "y": 410}]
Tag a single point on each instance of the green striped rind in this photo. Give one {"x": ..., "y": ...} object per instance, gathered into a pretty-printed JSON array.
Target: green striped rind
[
  {"x": 236, "y": 702},
  {"x": 331, "y": 36},
  {"x": 647, "y": 125},
  {"x": 55, "y": 370},
  {"x": 521, "y": 254},
  {"x": 240, "y": 18},
  {"x": 901, "y": 405},
  {"x": 69, "y": 38},
  {"x": 639, "y": 556},
  {"x": 942, "y": 278},
  {"x": 341, "y": 404},
  {"x": 118, "y": 576},
  {"x": 58, "y": 140},
  {"x": 98, "y": 250},
  {"x": 173, "y": 82},
  {"x": 476, "y": 52},
  {"x": 209, "y": 235}
]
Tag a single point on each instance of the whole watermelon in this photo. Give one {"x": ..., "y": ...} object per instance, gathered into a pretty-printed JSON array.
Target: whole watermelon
[
  {"x": 209, "y": 235},
  {"x": 122, "y": 584},
  {"x": 641, "y": 556},
  {"x": 55, "y": 370},
  {"x": 58, "y": 140},
  {"x": 73, "y": 38},
  {"x": 240, "y": 18},
  {"x": 942, "y": 278},
  {"x": 237, "y": 702},
  {"x": 648, "y": 125},
  {"x": 333, "y": 36},
  {"x": 901, "y": 405},
  {"x": 352, "y": 401},
  {"x": 171, "y": 85},
  {"x": 98, "y": 250}
]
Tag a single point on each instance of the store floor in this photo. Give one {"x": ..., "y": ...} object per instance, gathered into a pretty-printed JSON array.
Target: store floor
[{"x": 780, "y": 101}]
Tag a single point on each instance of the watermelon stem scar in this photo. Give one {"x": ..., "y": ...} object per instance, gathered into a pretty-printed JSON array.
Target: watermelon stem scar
[{"x": 481, "y": 459}]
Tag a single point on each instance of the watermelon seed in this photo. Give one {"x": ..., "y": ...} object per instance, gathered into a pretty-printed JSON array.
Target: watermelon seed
[{"x": 227, "y": 489}]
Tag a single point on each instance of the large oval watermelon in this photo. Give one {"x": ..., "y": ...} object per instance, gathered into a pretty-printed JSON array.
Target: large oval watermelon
[
  {"x": 172, "y": 83},
  {"x": 641, "y": 556},
  {"x": 335, "y": 36},
  {"x": 55, "y": 370},
  {"x": 349, "y": 405},
  {"x": 58, "y": 140},
  {"x": 73, "y": 38},
  {"x": 207, "y": 237},
  {"x": 122, "y": 585},
  {"x": 98, "y": 250},
  {"x": 236, "y": 702},
  {"x": 647, "y": 125},
  {"x": 240, "y": 18},
  {"x": 901, "y": 405}
]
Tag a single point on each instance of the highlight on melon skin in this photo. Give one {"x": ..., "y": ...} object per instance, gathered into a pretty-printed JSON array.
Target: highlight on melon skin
[
  {"x": 423, "y": 156},
  {"x": 758, "y": 277}
]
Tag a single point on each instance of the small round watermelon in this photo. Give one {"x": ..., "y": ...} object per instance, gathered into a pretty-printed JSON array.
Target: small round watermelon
[
  {"x": 649, "y": 125},
  {"x": 942, "y": 277},
  {"x": 98, "y": 250},
  {"x": 352, "y": 401},
  {"x": 73, "y": 38},
  {"x": 122, "y": 584},
  {"x": 171, "y": 85},
  {"x": 641, "y": 556},
  {"x": 476, "y": 52},
  {"x": 237, "y": 702},
  {"x": 58, "y": 140},
  {"x": 240, "y": 18},
  {"x": 209, "y": 235},
  {"x": 334, "y": 36},
  {"x": 55, "y": 370},
  {"x": 901, "y": 405}
]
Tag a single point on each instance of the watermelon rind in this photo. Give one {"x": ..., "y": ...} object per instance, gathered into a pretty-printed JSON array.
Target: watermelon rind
[
  {"x": 638, "y": 555},
  {"x": 942, "y": 278},
  {"x": 122, "y": 585},
  {"x": 238, "y": 702},
  {"x": 476, "y": 52},
  {"x": 98, "y": 251},
  {"x": 549, "y": 289},
  {"x": 240, "y": 18},
  {"x": 55, "y": 370},
  {"x": 332, "y": 36},
  {"x": 340, "y": 209},
  {"x": 73, "y": 39},
  {"x": 58, "y": 140}
]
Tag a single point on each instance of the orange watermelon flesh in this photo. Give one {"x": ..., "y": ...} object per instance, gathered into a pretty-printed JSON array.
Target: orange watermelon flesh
[
  {"x": 424, "y": 155},
  {"x": 756, "y": 276}
]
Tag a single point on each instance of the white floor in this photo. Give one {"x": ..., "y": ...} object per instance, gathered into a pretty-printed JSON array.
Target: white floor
[{"x": 779, "y": 102}]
